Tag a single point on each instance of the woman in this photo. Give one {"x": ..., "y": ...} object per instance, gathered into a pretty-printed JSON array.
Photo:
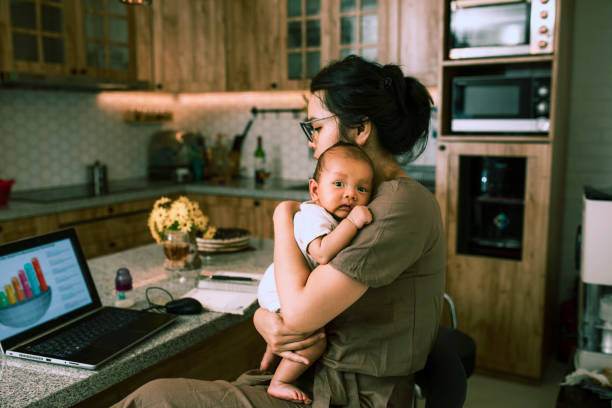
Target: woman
[{"x": 380, "y": 298}]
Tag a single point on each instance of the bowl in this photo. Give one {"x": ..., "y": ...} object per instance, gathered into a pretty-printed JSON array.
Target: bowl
[{"x": 26, "y": 312}]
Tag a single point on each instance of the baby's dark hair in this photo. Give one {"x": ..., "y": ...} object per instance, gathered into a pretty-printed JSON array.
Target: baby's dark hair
[
  {"x": 356, "y": 90},
  {"x": 349, "y": 149}
]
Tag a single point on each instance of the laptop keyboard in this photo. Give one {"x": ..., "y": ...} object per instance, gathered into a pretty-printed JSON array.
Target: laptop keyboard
[{"x": 84, "y": 334}]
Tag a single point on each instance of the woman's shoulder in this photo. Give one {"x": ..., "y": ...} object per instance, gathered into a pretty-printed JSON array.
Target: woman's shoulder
[{"x": 403, "y": 188}]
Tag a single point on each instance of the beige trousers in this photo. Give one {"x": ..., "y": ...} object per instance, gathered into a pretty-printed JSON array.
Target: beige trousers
[{"x": 248, "y": 391}]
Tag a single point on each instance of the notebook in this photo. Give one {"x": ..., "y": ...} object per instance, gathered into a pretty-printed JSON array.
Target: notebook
[{"x": 50, "y": 310}]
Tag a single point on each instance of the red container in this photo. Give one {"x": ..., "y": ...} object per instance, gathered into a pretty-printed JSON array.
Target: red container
[{"x": 5, "y": 190}]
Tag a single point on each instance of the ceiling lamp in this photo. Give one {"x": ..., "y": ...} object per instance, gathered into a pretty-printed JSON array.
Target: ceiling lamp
[{"x": 137, "y": 2}]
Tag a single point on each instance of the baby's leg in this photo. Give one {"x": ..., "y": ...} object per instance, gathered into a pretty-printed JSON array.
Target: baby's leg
[
  {"x": 269, "y": 361},
  {"x": 288, "y": 371}
]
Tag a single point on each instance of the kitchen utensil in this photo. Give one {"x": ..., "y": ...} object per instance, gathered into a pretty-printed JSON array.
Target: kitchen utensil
[
  {"x": 97, "y": 177},
  {"x": 234, "y": 153}
]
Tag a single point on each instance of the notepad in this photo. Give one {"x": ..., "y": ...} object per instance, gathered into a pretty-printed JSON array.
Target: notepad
[{"x": 223, "y": 301}]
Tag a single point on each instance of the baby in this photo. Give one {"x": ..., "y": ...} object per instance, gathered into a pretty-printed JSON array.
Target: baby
[{"x": 340, "y": 190}]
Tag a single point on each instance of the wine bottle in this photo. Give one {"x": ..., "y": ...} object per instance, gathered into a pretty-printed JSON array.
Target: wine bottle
[{"x": 260, "y": 162}]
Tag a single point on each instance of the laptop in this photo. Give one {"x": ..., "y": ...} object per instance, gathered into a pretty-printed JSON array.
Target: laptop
[{"x": 50, "y": 310}]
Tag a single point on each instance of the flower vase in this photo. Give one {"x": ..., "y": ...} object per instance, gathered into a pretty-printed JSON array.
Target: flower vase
[
  {"x": 193, "y": 261},
  {"x": 176, "y": 249}
]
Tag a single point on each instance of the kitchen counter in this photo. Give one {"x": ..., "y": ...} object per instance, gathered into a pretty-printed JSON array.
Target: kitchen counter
[
  {"x": 26, "y": 383},
  {"x": 21, "y": 204}
]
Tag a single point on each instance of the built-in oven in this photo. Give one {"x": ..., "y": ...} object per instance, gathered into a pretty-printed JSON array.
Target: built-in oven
[
  {"x": 490, "y": 28},
  {"x": 508, "y": 103}
]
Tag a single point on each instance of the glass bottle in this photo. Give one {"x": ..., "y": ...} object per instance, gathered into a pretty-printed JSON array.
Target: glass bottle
[{"x": 260, "y": 162}]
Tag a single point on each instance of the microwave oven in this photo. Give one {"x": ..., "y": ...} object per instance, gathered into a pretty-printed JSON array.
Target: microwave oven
[
  {"x": 491, "y": 28},
  {"x": 501, "y": 103}
]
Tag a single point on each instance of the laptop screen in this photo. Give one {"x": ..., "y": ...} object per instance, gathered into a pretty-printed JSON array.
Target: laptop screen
[{"x": 44, "y": 281}]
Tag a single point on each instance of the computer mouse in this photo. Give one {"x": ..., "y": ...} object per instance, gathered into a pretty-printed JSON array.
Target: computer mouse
[{"x": 184, "y": 306}]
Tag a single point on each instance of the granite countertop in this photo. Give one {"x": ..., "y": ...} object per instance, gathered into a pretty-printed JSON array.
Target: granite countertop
[{"x": 25, "y": 383}]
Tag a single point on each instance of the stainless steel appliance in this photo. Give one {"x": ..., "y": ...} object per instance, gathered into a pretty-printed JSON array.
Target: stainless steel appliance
[
  {"x": 171, "y": 154},
  {"x": 490, "y": 28},
  {"x": 509, "y": 103},
  {"x": 595, "y": 314}
]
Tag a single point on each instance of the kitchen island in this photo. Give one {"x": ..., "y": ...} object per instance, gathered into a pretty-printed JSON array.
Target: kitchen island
[{"x": 208, "y": 346}]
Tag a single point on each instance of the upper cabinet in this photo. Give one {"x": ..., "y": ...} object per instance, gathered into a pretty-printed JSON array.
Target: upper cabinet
[
  {"x": 253, "y": 58},
  {"x": 255, "y": 45},
  {"x": 216, "y": 45},
  {"x": 183, "y": 42},
  {"x": 92, "y": 38},
  {"x": 410, "y": 32}
]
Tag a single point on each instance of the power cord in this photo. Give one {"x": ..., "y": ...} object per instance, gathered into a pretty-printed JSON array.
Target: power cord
[{"x": 155, "y": 306}]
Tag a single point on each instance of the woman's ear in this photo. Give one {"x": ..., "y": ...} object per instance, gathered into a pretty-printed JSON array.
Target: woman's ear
[
  {"x": 313, "y": 187},
  {"x": 364, "y": 130}
]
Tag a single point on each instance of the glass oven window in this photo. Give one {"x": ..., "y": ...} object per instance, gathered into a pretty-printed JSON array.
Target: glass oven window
[
  {"x": 490, "y": 25},
  {"x": 491, "y": 206}
]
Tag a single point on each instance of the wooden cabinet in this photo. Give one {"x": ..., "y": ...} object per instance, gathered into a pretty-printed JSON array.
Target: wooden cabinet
[
  {"x": 253, "y": 214},
  {"x": 409, "y": 31},
  {"x": 253, "y": 45},
  {"x": 501, "y": 199},
  {"x": 498, "y": 279},
  {"x": 13, "y": 230},
  {"x": 181, "y": 45},
  {"x": 110, "y": 228},
  {"x": 91, "y": 38}
]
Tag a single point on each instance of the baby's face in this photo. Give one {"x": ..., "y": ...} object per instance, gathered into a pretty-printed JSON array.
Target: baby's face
[{"x": 343, "y": 184}]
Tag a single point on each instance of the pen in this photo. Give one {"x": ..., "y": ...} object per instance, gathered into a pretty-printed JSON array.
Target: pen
[{"x": 232, "y": 278}]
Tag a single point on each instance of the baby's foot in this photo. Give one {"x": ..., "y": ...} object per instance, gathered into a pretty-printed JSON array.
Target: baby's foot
[
  {"x": 288, "y": 392},
  {"x": 269, "y": 361}
]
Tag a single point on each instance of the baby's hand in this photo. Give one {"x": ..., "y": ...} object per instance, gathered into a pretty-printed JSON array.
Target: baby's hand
[{"x": 360, "y": 216}]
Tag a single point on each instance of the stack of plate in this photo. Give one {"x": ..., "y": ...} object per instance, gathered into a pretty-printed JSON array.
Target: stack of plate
[{"x": 227, "y": 241}]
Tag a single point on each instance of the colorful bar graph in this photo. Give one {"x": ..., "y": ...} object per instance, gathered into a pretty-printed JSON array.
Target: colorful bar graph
[
  {"x": 39, "y": 274},
  {"x": 24, "y": 282},
  {"x": 32, "y": 279},
  {"x": 29, "y": 282},
  {"x": 17, "y": 287},
  {"x": 10, "y": 294}
]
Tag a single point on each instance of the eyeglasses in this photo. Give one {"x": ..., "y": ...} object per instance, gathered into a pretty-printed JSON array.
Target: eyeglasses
[{"x": 309, "y": 129}]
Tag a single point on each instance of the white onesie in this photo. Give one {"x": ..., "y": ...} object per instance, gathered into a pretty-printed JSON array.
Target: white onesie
[{"x": 312, "y": 221}]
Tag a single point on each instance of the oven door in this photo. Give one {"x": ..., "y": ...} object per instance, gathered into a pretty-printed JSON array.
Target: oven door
[
  {"x": 480, "y": 28},
  {"x": 492, "y": 104}
]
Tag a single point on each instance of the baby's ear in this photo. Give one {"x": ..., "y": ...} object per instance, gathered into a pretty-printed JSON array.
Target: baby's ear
[{"x": 313, "y": 187}]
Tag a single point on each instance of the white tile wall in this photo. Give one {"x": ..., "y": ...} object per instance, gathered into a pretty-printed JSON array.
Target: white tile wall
[
  {"x": 589, "y": 149},
  {"x": 47, "y": 138}
]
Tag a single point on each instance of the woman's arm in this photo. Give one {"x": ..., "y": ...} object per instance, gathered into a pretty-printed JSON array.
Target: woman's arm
[
  {"x": 308, "y": 300},
  {"x": 281, "y": 340}
]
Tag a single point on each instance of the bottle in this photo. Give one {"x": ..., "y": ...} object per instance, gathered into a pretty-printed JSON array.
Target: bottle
[
  {"x": 123, "y": 284},
  {"x": 260, "y": 162}
]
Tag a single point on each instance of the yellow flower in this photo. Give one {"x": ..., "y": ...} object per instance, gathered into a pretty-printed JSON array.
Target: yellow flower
[{"x": 180, "y": 214}]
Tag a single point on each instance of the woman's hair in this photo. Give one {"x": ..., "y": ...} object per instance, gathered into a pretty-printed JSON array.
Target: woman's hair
[
  {"x": 347, "y": 149},
  {"x": 356, "y": 90}
]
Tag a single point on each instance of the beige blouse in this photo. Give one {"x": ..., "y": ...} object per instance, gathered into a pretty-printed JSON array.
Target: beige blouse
[{"x": 376, "y": 345}]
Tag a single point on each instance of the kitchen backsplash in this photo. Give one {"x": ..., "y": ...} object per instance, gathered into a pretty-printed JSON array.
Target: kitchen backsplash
[{"x": 49, "y": 137}]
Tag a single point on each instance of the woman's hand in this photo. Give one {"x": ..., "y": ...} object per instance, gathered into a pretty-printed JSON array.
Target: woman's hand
[{"x": 280, "y": 340}]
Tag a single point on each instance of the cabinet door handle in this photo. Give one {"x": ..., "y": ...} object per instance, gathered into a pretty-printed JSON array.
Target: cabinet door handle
[
  {"x": 256, "y": 203},
  {"x": 442, "y": 148},
  {"x": 111, "y": 210},
  {"x": 112, "y": 244}
]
